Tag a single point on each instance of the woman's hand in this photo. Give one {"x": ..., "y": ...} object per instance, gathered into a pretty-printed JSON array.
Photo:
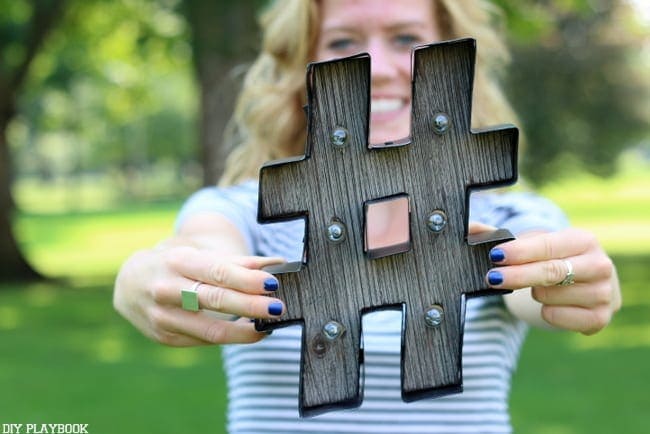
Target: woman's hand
[
  {"x": 148, "y": 294},
  {"x": 541, "y": 261}
]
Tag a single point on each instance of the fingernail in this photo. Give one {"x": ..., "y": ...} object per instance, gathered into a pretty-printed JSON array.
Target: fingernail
[
  {"x": 495, "y": 278},
  {"x": 275, "y": 308},
  {"x": 497, "y": 255},
  {"x": 271, "y": 284}
]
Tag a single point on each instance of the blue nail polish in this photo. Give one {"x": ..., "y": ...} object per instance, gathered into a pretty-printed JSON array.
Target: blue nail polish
[
  {"x": 495, "y": 278},
  {"x": 275, "y": 308},
  {"x": 497, "y": 255},
  {"x": 271, "y": 284}
]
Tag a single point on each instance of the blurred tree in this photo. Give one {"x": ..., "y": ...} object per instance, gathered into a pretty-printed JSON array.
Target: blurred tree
[
  {"x": 24, "y": 26},
  {"x": 112, "y": 92},
  {"x": 109, "y": 91},
  {"x": 574, "y": 84},
  {"x": 224, "y": 35}
]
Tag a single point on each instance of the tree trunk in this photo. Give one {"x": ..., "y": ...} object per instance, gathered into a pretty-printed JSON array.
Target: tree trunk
[
  {"x": 216, "y": 105},
  {"x": 45, "y": 15},
  {"x": 14, "y": 266},
  {"x": 224, "y": 35}
]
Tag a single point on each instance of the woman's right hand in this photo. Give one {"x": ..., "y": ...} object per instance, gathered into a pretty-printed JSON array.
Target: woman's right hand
[{"x": 148, "y": 294}]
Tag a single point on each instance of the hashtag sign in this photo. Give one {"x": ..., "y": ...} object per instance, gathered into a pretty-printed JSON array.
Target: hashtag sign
[{"x": 333, "y": 186}]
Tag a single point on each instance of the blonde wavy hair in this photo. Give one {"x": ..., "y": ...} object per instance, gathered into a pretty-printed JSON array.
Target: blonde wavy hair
[{"x": 269, "y": 123}]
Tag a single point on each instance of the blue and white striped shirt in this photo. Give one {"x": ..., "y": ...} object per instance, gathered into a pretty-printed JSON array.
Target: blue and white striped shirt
[{"x": 263, "y": 377}]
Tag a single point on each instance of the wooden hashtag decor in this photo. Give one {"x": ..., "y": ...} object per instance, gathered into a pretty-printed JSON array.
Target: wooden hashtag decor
[{"x": 348, "y": 191}]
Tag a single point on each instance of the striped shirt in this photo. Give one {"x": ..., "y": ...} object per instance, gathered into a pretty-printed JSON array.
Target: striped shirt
[{"x": 263, "y": 378}]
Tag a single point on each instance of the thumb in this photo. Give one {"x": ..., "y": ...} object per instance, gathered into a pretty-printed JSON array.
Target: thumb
[{"x": 477, "y": 228}]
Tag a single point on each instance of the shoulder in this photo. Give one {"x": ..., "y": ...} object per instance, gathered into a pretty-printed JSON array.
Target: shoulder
[
  {"x": 244, "y": 193},
  {"x": 229, "y": 200},
  {"x": 517, "y": 211},
  {"x": 236, "y": 203}
]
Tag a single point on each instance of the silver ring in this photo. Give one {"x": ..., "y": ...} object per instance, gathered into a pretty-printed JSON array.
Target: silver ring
[
  {"x": 190, "y": 297},
  {"x": 569, "y": 278}
]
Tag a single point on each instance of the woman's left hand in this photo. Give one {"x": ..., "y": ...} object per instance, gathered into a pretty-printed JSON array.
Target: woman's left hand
[{"x": 584, "y": 302}]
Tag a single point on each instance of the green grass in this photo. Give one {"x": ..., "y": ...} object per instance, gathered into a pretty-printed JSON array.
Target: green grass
[
  {"x": 569, "y": 383},
  {"x": 92, "y": 244},
  {"x": 67, "y": 357},
  {"x": 617, "y": 210}
]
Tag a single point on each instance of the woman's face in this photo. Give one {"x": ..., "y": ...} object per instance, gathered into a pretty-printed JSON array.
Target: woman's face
[{"x": 387, "y": 29}]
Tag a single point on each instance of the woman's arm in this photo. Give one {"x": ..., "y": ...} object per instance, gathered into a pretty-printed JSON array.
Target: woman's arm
[{"x": 210, "y": 249}]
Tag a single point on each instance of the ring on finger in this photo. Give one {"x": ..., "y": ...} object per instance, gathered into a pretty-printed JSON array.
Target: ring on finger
[
  {"x": 569, "y": 278},
  {"x": 190, "y": 297}
]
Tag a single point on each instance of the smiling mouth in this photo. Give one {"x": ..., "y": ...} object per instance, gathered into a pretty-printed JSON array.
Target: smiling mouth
[{"x": 386, "y": 105}]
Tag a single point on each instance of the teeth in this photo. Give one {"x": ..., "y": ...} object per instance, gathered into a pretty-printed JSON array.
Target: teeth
[{"x": 385, "y": 105}]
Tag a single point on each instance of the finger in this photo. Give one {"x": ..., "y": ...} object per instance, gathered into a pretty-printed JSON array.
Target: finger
[
  {"x": 222, "y": 300},
  {"x": 587, "y": 321},
  {"x": 545, "y": 273},
  {"x": 543, "y": 246},
  {"x": 477, "y": 228},
  {"x": 258, "y": 262},
  {"x": 580, "y": 295},
  {"x": 199, "y": 266},
  {"x": 233, "y": 302},
  {"x": 177, "y": 327}
]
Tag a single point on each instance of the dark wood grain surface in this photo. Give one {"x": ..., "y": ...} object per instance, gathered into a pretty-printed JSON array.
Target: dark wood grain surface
[{"x": 339, "y": 281}]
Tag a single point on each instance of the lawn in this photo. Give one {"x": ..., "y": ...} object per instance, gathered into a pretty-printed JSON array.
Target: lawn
[{"x": 67, "y": 357}]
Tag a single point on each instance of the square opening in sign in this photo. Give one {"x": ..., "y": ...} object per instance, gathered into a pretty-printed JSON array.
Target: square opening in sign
[{"x": 387, "y": 228}]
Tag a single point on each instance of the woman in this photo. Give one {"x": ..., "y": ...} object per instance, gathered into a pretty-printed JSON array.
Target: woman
[{"x": 574, "y": 284}]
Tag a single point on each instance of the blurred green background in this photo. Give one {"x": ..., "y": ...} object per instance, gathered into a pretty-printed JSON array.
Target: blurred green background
[{"x": 108, "y": 120}]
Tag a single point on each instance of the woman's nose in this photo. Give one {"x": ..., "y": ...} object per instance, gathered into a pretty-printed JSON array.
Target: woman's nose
[{"x": 383, "y": 61}]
